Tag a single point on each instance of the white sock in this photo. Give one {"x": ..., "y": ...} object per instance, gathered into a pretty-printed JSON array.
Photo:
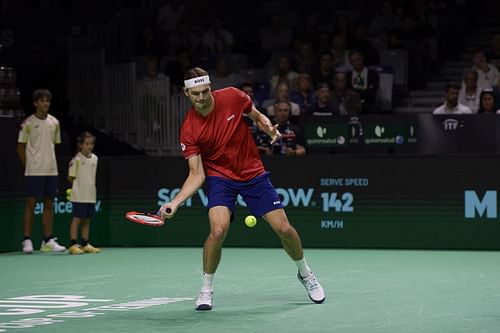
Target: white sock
[
  {"x": 304, "y": 270},
  {"x": 207, "y": 284}
]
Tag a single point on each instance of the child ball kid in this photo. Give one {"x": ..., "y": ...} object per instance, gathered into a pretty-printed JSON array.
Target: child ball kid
[{"x": 82, "y": 175}]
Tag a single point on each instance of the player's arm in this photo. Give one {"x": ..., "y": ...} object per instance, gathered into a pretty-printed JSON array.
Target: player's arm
[
  {"x": 265, "y": 124},
  {"x": 193, "y": 182},
  {"x": 21, "y": 152}
]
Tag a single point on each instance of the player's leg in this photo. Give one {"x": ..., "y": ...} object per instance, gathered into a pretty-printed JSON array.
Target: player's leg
[
  {"x": 86, "y": 246},
  {"x": 74, "y": 247},
  {"x": 220, "y": 217},
  {"x": 293, "y": 246},
  {"x": 50, "y": 188},
  {"x": 34, "y": 190},
  {"x": 29, "y": 216},
  {"x": 289, "y": 237}
]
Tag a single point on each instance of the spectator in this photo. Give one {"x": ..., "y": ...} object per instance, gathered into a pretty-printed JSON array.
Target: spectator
[
  {"x": 304, "y": 96},
  {"x": 340, "y": 54},
  {"x": 216, "y": 40},
  {"x": 346, "y": 100},
  {"x": 365, "y": 46},
  {"x": 324, "y": 104},
  {"x": 169, "y": 15},
  {"x": 284, "y": 73},
  {"x": 304, "y": 56},
  {"x": 291, "y": 142},
  {"x": 323, "y": 71},
  {"x": 469, "y": 94},
  {"x": 488, "y": 73},
  {"x": 363, "y": 80},
  {"x": 223, "y": 77},
  {"x": 175, "y": 69},
  {"x": 494, "y": 54},
  {"x": 451, "y": 105},
  {"x": 488, "y": 102},
  {"x": 283, "y": 94}
]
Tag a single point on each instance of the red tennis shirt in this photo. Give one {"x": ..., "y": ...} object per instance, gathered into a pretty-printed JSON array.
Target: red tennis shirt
[{"x": 223, "y": 138}]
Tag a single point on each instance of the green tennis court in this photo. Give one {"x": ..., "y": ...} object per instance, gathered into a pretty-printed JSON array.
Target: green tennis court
[{"x": 153, "y": 290}]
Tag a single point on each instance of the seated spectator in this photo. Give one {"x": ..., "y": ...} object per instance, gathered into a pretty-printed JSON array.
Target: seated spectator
[
  {"x": 469, "y": 94},
  {"x": 494, "y": 54},
  {"x": 488, "y": 102},
  {"x": 323, "y": 70},
  {"x": 451, "y": 105},
  {"x": 249, "y": 89},
  {"x": 340, "y": 54},
  {"x": 324, "y": 104},
  {"x": 223, "y": 77},
  {"x": 363, "y": 80},
  {"x": 217, "y": 40},
  {"x": 291, "y": 142},
  {"x": 365, "y": 46},
  {"x": 304, "y": 56},
  {"x": 176, "y": 68},
  {"x": 283, "y": 72},
  {"x": 282, "y": 93},
  {"x": 346, "y": 100},
  {"x": 488, "y": 73},
  {"x": 304, "y": 96}
]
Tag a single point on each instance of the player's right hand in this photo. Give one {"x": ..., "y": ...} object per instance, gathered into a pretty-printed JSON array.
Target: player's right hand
[{"x": 167, "y": 211}]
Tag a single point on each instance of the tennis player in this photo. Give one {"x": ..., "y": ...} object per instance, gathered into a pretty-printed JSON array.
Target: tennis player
[{"x": 215, "y": 140}]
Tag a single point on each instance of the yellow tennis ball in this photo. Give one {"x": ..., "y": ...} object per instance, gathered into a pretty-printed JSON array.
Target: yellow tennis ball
[
  {"x": 68, "y": 194},
  {"x": 250, "y": 221}
]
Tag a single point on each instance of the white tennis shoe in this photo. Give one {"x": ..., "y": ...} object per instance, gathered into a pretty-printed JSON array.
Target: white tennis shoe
[
  {"x": 52, "y": 246},
  {"x": 205, "y": 301},
  {"x": 27, "y": 246},
  {"x": 313, "y": 288}
]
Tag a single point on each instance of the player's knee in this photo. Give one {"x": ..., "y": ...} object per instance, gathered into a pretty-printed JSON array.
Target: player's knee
[
  {"x": 218, "y": 233},
  {"x": 285, "y": 229}
]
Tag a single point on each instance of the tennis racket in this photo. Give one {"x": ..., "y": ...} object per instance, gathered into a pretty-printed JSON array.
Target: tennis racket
[{"x": 146, "y": 218}]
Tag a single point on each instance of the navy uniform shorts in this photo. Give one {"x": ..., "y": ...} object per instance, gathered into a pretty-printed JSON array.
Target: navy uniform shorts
[
  {"x": 41, "y": 186},
  {"x": 83, "y": 210},
  {"x": 259, "y": 194}
]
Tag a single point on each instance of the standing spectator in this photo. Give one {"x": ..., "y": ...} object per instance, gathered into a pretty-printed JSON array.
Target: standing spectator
[
  {"x": 451, "y": 105},
  {"x": 346, "y": 100},
  {"x": 324, "y": 104},
  {"x": 488, "y": 73},
  {"x": 469, "y": 94},
  {"x": 488, "y": 104},
  {"x": 363, "y": 80},
  {"x": 304, "y": 96},
  {"x": 39, "y": 132},
  {"x": 82, "y": 173}
]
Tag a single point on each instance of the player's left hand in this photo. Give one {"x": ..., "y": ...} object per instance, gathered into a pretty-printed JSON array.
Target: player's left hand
[{"x": 275, "y": 134}]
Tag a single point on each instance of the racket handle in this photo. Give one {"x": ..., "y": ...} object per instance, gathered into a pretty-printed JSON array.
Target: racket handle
[{"x": 168, "y": 210}]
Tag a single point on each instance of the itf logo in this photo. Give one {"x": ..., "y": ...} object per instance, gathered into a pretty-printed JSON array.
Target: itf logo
[
  {"x": 476, "y": 207},
  {"x": 450, "y": 124}
]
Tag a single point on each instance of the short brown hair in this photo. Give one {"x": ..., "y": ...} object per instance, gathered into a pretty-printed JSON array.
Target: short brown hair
[
  {"x": 42, "y": 93},
  {"x": 194, "y": 72}
]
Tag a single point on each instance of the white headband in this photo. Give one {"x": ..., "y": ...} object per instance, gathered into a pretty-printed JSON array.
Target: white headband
[{"x": 196, "y": 81}]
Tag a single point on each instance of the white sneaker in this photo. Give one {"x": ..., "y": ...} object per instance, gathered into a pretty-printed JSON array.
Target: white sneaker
[
  {"x": 205, "y": 301},
  {"x": 314, "y": 289},
  {"x": 52, "y": 246},
  {"x": 27, "y": 246}
]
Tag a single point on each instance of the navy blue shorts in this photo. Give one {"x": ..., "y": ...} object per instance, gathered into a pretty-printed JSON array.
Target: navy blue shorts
[
  {"x": 41, "y": 186},
  {"x": 83, "y": 210},
  {"x": 259, "y": 194}
]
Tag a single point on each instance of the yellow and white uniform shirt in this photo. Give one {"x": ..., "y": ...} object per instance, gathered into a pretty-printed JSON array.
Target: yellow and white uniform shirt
[
  {"x": 83, "y": 169},
  {"x": 40, "y": 135}
]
